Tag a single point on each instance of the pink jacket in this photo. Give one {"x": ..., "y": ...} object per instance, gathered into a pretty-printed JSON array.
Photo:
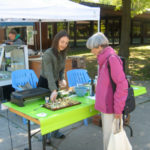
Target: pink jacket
[{"x": 106, "y": 101}]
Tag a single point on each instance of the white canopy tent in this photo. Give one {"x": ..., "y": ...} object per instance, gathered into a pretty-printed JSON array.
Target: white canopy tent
[{"x": 46, "y": 11}]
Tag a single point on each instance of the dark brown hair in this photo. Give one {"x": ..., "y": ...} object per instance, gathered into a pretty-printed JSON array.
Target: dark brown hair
[
  {"x": 55, "y": 42},
  {"x": 13, "y": 31}
]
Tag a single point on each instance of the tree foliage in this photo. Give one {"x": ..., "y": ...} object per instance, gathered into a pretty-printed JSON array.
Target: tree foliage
[
  {"x": 137, "y": 6},
  {"x": 130, "y": 8}
]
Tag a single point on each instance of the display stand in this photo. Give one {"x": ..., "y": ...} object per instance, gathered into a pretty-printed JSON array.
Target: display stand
[{"x": 12, "y": 58}]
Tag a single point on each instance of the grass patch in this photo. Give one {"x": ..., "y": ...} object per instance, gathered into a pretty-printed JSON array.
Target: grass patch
[{"x": 139, "y": 66}]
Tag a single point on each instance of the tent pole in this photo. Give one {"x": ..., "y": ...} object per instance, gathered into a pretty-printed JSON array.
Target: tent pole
[
  {"x": 68, "y": 28},
  {"x": 40, "y": 36},
  {"x": 98, "y": 26}
]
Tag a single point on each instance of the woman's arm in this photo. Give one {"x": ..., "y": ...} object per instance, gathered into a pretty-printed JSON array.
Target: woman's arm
[
  {"x": 48, "y": 71},
  {"x": 119, "y": 78}
]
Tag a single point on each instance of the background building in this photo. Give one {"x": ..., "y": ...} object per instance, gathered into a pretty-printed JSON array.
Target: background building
[{"x": 110, "y": 25}]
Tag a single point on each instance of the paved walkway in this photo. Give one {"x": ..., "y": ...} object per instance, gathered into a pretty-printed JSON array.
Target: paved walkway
[{"x": 78, "y": 136}]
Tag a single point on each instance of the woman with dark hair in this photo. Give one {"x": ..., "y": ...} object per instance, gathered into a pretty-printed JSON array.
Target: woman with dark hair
[{"x": 52, "y": 70}]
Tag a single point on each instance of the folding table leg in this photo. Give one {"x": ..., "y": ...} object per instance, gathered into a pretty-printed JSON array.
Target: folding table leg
[
  {"x": 44, "y": 142},
  {"x": 29, "y": 135}
]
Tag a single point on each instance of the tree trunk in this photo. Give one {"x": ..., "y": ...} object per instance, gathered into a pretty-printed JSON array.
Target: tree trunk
[{"x": 125, "y": 28}]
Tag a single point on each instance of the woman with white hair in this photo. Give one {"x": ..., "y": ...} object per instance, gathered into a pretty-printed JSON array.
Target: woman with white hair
[{"x": 109, "y": 103}]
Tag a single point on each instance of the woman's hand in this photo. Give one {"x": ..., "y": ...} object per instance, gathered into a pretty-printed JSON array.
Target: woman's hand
[
  {"x": 53, "y": 96},
  {"x": 118, "y": 116},
  {"x": 63, "y": 83}
]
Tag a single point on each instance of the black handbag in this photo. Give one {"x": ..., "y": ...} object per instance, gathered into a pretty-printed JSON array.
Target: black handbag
[{"x": 130, "y": 101}]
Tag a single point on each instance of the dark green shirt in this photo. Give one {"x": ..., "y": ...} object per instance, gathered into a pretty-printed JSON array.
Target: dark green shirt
[{"x": 53, "y": 68}]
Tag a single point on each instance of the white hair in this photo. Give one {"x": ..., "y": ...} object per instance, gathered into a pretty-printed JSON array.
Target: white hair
[{"x": 96, "y": 40}]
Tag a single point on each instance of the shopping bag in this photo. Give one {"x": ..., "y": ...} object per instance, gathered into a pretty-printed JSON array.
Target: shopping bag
[{"x": 118, "y": 138}]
